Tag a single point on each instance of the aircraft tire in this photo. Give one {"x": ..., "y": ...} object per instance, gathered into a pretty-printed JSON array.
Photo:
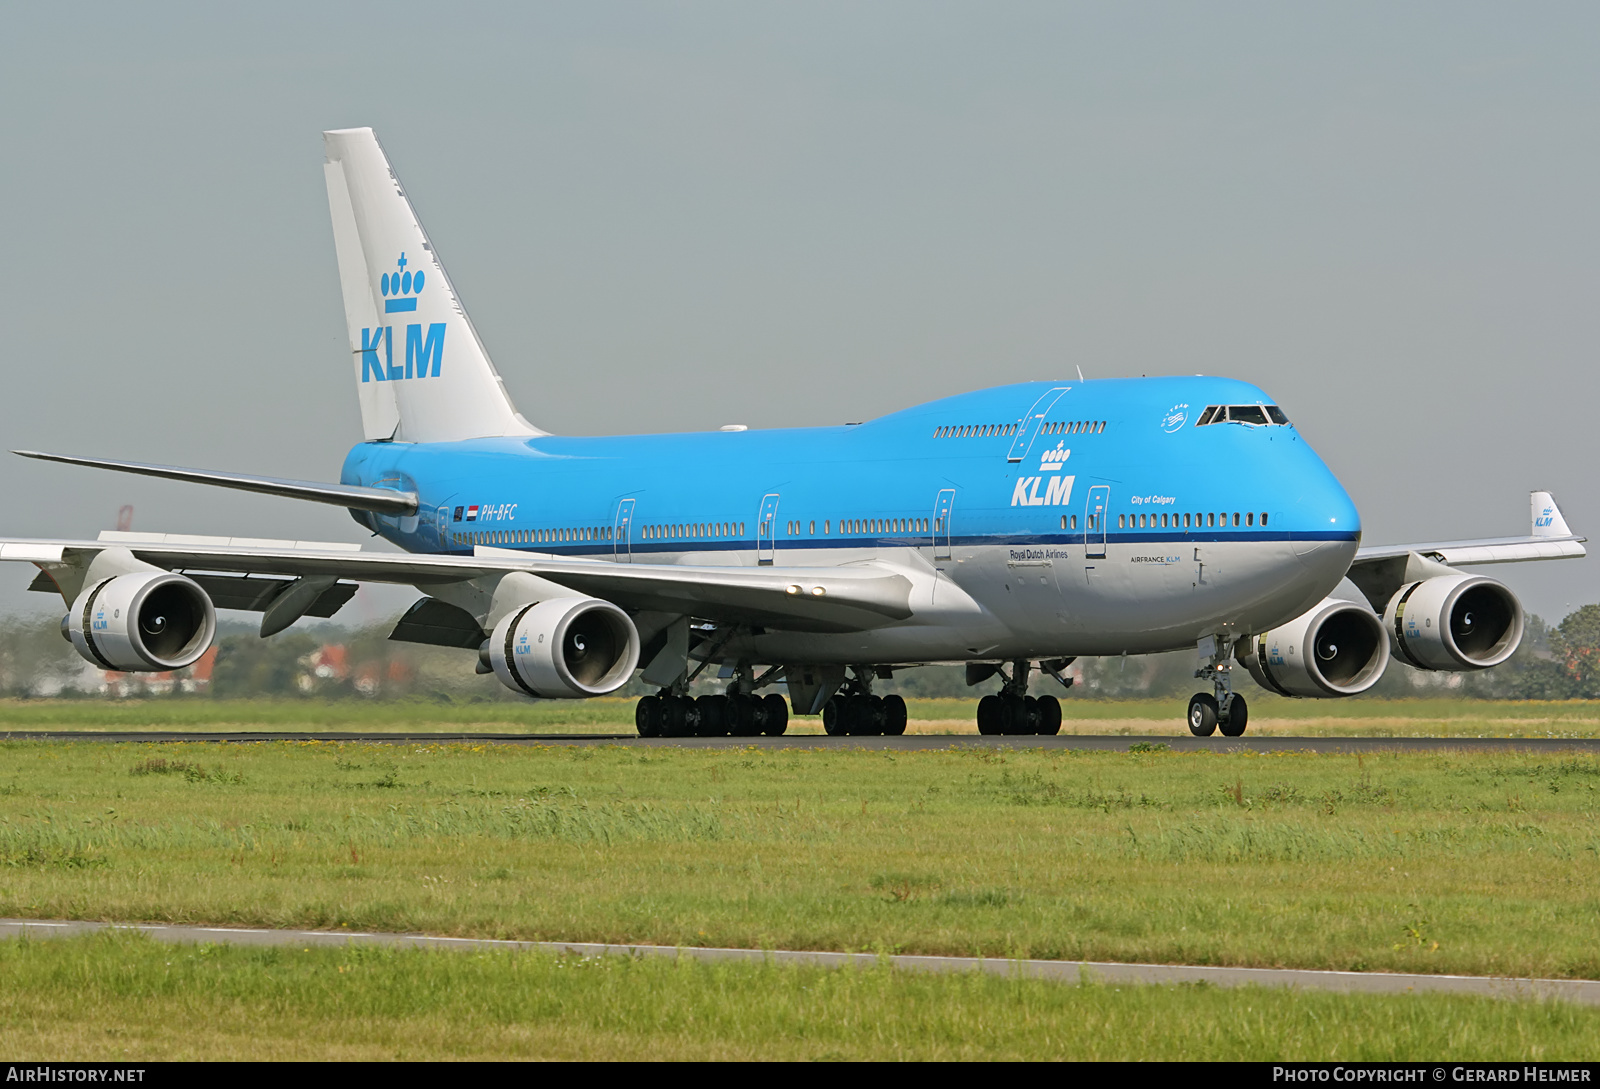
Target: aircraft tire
[
  {"x": 1202, "y": 714},
  {"x": 647, "y": 716},
  {"x": 1049, "y": 715},
  {"x": 991, "y": 715},
  {"x": 777, "y": 717},
  {"x": 715, "y": 716},
  {"x": 872, "y": 716},
  {"x": 894, "y": 716},
  {"x": 852, "y": 716},
  {"x": 833, "y": 717},
  {"x": 1014, "y": 717},
  {"x": 1238, "y": 717},
  {"x": 742, "y": 716},
  {"x": 677, "y": 716}
]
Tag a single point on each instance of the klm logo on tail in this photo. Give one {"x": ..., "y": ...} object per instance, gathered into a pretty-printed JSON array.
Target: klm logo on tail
[{"x": 424, "y": 354}]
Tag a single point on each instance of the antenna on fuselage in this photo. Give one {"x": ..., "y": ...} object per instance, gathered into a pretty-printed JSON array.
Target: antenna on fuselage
[{"x": 1081, "y": 378}]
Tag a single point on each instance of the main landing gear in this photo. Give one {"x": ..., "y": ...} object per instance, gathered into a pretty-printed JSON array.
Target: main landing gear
[
  {"x": 741, "y": 713},
  {"x": 737, "y": 715},
  {"x": 1227, "y": 709},
  {"x": 1013, "y": 711},
  {"x": 856, "y": 712}
]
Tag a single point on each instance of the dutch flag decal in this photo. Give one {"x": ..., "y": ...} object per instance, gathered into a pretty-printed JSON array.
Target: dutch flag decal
[{"x": 472, "y": 514}]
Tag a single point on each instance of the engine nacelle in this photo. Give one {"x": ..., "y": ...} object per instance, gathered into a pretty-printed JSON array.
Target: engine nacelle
[
  {"x": 142, "y": 622},
  {"x": 564, "y": 648},
  {"x": 1454, "y": 622},
  {"x": 1339, "y": 648}
]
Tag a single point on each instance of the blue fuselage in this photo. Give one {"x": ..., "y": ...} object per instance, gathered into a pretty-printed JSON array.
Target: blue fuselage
[{"x": 1086, "y": 517}]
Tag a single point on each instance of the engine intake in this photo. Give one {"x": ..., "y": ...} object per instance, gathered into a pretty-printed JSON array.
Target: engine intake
[
  {"x": 1339, "y": 648},
  {"x": 142, "y": 622},
  {"x": 1454, "y": 622},
  {"x": 564, "y": 648}
]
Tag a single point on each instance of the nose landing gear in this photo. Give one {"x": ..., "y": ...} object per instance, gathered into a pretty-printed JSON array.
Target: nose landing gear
[{"x": 1227, "y": 709}]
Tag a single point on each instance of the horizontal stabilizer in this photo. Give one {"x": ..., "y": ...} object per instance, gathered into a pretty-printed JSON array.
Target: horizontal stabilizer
[{"x": 350, "y": 496}]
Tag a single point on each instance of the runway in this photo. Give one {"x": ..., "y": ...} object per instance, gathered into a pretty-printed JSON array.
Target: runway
[
  {"x": 1581, "y": 991},
  {"x": 910, "y": 743}
]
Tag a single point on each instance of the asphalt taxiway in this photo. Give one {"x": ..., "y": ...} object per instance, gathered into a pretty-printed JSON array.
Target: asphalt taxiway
[{"x": 908, "y": 743}]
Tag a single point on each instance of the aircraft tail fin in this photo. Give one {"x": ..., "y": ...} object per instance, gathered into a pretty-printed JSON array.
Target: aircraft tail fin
[{"x": 421, "y": 372}]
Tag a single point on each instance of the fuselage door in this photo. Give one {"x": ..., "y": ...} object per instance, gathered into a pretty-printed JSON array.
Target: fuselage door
[
  {"x": 1094, "y": 521},
  {"x": 766, "y": 529},
  {"x": 942, "y": 509},
  {"x": 622, "y": 539},
  {"x": 444, "y": 528},
  {"x": 1028, "y": 428}
]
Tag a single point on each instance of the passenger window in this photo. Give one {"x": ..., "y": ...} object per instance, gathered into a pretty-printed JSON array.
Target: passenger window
[
  {"x": 1120, "y": 524},
  {"x": 1074, "y": 521},
  {"x": 1263, "y": 517},
  {"x": 1250, "y": 518},
  {"x": 1236, "y": 519},
  {"x": 1185, "y": 521}
]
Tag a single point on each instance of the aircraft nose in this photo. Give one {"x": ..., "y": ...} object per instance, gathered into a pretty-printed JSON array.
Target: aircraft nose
[{"x": 1328, "y": 528}]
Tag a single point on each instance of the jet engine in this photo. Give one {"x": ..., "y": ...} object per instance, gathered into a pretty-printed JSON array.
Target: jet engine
[
  {"x": 1454, "y": 622},
  {"x": 1339, "y": 648},
  {"x": 141, "y": 622},
  {"x": 564, "y": 648}
]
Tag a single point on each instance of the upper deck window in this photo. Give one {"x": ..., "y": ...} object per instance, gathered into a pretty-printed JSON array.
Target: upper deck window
[{"x": 1256, "y": 415}]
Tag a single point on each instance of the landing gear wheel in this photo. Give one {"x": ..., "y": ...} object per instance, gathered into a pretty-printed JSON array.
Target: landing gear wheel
[
  {"x": 991, "y": 715},
  {"x": 894, "y": 716},
  {"x": 647, "y": 716},
  {"x": 714, "y": 717},
  {"x": 1203, "y": 714},
  {"x": 833, "y": 717},
  {"x": 776, "y": 720},
  {"x": 742, "y": 716},
  {"x": 1014, "y": 715},
  {"x": 1049, "y": 715},
  {"x": 677, "y": 716},
  {"x": 1238, "y": 717}
]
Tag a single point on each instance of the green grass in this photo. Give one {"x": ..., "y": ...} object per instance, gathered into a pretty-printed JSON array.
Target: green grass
[
  {"x": 125, "y": 998},
  {"x": 1451, "y": 862},
  {"x": 1269, "y": 716}
]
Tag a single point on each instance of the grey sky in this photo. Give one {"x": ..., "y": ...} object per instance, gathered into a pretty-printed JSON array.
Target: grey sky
[{"x": 676, "y": 216}]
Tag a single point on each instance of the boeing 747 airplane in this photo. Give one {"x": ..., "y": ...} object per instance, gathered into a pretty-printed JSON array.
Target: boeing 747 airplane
[{"x": 1010, "y": 529}]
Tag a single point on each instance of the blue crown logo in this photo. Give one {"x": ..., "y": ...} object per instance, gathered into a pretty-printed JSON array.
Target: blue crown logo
[{"x": 400, "y": 288}]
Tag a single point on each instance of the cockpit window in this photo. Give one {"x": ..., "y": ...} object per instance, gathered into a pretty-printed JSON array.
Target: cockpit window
[{"x": 1256, "y": 415}]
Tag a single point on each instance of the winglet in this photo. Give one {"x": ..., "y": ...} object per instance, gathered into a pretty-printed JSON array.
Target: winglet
[{"x": 1547, "y": 520}]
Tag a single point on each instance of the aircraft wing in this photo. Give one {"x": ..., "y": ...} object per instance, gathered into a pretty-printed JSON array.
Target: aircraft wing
[
  {"x": 1380, "y": 571},
  {"x": 1548, "y": 539},
  {"x": 857, "y": 597}
]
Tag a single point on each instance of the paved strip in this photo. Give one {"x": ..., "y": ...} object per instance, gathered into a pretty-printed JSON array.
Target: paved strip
[
  {"x": 1582, "y": 991},
  {"x": 1108, "y": 743}
]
